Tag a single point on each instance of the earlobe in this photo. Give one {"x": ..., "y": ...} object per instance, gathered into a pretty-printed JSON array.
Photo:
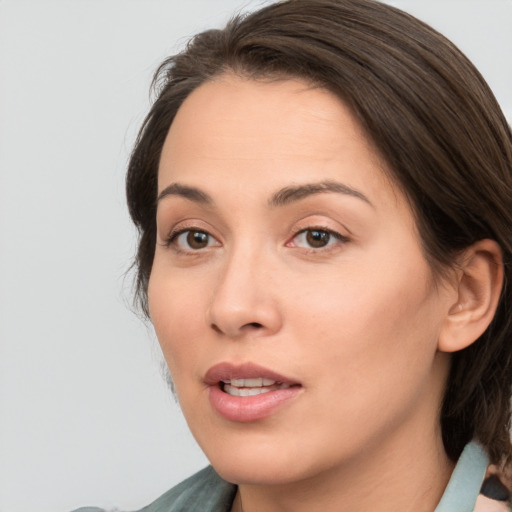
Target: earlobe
[{"x": 479, "y": 285}]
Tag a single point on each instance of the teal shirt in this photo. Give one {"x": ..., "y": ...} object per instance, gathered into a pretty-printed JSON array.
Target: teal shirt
[
  {"x": 466, "y": 480},
  {"x": 207, "y": 492}
]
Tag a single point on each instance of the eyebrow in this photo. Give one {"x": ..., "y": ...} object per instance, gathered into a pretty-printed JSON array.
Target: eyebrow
[
  {"x": 282, "y": 197},
  {"x": 191, "y": 193},
  {"x": 292, "y": 194}
]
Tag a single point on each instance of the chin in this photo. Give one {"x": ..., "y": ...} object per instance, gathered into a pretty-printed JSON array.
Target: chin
[
  {"x": 257, "y": 471},
  {"x": 265, "y": 458},
  {"x": 253, "y": 458}
]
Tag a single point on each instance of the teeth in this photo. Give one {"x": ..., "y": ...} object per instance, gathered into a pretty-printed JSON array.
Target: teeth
[
  {"x": 252, "y": 390},
  {"x": 251, "y": 383},
  {"x": 234, "y": 391}
]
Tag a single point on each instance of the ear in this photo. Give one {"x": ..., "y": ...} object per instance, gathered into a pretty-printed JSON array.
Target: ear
[{"x": 479, "y": 283}]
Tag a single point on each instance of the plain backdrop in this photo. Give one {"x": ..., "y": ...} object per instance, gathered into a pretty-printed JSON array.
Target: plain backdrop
[{"x": 85, "y": 416}]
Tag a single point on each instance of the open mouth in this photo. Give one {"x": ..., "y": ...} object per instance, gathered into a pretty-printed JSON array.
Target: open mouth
[
  {"x": 248, "y": 392},
  {"x": 251, "y": 387}
]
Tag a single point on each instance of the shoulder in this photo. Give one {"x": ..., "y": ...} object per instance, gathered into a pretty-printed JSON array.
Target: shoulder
[{"x": 205, "y": 491}]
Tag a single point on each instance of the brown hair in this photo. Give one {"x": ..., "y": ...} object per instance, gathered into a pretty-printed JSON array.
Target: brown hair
[{"x": 434, "y": 121}]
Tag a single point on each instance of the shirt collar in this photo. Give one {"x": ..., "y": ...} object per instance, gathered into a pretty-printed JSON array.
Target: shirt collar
[{"x": 467, "y": 477}]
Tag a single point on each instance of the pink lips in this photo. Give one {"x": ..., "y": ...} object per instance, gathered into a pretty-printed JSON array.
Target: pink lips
[{"x": 247, "y": 408}]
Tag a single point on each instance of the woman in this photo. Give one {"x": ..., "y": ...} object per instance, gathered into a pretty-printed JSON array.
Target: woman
[{"x": 323, "y": 193}]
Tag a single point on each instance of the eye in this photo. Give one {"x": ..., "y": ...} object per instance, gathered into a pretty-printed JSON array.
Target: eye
[
  {"x": 314, "y": 238},
  {"x": 192, "y": 239}
]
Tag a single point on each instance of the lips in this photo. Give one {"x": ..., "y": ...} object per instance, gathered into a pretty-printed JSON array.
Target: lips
[
  {"x": 248, "y": 392},
  {"x": 226, "y": 372},
  {"x": 251, "y": 387}
]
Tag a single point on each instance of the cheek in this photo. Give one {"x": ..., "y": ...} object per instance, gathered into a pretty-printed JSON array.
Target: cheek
[
  {"x": 371, "y": 342},
  {"x": 178, "y": 317},
  {"x": 371, "y": 321}
]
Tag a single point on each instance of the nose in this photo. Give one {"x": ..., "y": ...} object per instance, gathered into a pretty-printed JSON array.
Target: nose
[{"x": 244, "y": 302}]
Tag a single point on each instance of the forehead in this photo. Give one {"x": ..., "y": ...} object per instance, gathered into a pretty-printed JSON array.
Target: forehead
[
  {"x": 267, "y": 132},
  {"x": 264, "y": 109}
]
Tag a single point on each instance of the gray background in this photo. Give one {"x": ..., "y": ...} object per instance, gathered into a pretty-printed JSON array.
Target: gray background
[{"x": 85, "y": 417}]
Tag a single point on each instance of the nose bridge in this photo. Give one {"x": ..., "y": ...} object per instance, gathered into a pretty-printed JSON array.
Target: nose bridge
[{"x": 242, "y": 301}]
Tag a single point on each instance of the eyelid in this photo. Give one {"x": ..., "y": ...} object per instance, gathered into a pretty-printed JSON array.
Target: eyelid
[
  {"x": 320, "y": 222},
  {"x": 331, "y": 231},
  {"x": 173, "y": 241},
  {"x": 186, "y": 226},
  {"x": 190, "y": 224},
  {"x": 339, "y": 237}
]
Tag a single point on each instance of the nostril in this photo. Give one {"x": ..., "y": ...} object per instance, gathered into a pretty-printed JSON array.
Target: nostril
[
  {"x": 234, "y": 330},
  {"x": 248, "y": 326},
  {"x": 254, "y": 325},
  {"x": 216, "y": 329}
]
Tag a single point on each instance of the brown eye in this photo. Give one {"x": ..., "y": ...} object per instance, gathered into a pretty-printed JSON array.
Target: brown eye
[
  {"x": 317, "y": 238},
  {"x": 192, "y": 240},
  {"x": 197, "y": 239}
]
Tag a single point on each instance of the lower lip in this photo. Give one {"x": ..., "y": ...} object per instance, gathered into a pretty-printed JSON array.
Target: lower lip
[{"x": 250, "y": 408}]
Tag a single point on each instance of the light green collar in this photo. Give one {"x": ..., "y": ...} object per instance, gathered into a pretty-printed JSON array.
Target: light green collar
[{"x": 467, "y": 477}]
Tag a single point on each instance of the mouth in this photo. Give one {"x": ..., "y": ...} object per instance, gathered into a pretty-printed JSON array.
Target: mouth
[
  {"x": 251, "y": 387},
  {"x": 246, "y": 379},
  {"x": 248, "y": 392}
]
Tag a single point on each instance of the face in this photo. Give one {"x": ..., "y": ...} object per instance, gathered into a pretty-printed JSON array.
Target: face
[{"x": 289, "y": 292}]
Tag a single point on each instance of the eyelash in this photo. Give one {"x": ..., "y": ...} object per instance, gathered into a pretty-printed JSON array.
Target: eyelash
[
  {"x": 172, "y": 240},
  {"x": 319, "y": 229}
]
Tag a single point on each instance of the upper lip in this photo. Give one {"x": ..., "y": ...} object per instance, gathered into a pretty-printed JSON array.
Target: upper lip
[{"x": 227, "y": 371}]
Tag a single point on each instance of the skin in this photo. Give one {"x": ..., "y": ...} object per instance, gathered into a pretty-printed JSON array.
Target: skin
[
  {"x": 484, "y": 504},
  {"x": 356, "y": 322}
]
